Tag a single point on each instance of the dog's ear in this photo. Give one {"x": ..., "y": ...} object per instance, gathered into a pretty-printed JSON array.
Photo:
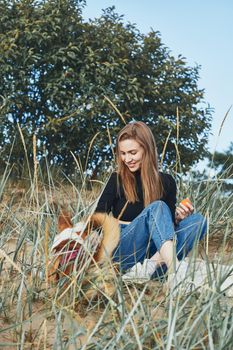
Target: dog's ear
[{"x": 64, "y": 221}]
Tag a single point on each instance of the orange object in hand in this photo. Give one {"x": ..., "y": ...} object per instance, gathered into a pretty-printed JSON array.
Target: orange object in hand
[{"x": 186, "y": 201}]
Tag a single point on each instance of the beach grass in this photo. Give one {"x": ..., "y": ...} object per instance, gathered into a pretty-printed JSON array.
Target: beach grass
[{"x": 93, "y": 308}]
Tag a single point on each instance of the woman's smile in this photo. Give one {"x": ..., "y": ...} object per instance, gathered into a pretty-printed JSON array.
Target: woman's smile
[{"x": 131, "y": 165}]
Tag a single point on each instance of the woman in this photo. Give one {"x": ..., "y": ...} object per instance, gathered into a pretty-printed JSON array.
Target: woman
[{"x": 144, "y": 201}]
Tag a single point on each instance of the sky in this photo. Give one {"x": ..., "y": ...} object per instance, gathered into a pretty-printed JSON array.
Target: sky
[{"x": 199, "y": 30}]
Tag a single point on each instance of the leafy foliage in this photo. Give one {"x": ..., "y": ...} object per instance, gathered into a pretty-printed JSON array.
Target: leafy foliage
[
  {"x": 56, "y": 70},
  {"x": 223, "y": 161}
]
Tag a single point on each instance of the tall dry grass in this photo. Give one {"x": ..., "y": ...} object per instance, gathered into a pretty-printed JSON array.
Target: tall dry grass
[
  {"x": 93, "y": 308},
  {"x": 36, "y": 315}
]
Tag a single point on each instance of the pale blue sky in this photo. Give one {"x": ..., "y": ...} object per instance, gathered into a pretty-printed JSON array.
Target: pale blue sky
[{"x": 200, "y": 30}]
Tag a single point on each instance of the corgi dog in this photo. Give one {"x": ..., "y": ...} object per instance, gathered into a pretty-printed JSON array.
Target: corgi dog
[{"x": 98, "y": 238}]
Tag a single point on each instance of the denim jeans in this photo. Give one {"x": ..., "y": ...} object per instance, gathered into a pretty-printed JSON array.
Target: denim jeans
[{"x": 144, "y": 236}]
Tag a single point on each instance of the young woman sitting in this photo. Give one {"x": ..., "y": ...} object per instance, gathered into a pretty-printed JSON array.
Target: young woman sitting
[{"x": 154, "y": 232}]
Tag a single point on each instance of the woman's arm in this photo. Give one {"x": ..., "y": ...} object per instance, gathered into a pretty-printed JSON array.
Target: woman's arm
[
  {"x": 169, "y": 186},
  {"x": 181, "y": 211},
  {"x": 108, "y": 196}
]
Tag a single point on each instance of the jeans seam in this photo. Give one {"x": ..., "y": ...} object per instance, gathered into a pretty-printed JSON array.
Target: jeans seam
[
  {"x": 132, "y": 229},
  {"x": 158, "y": 231},
  {"x": 162, "y": 239}
]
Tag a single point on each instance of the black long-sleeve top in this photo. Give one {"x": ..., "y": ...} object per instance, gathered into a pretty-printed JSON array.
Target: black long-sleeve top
[{"x": 113, "y": 200}]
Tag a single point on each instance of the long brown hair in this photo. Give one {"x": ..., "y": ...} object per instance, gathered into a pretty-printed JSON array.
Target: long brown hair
[{"x": 151, "y": 182}]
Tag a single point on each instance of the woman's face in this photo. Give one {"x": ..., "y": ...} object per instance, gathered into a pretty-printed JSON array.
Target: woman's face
[{"x": 131, "y": 153}]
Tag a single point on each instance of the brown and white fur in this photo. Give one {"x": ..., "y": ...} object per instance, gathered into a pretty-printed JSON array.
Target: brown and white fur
[{"x": 110, "y": 239}]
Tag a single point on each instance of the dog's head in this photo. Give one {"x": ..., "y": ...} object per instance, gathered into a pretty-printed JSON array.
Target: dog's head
[
  {"x": 69, "y": 233},
  {"x": 76, "y": 243},
  {"x": 71, "y": 242}
]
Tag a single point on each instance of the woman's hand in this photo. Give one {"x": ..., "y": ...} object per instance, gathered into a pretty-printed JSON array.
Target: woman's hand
[{"x": 182, "y": 211}]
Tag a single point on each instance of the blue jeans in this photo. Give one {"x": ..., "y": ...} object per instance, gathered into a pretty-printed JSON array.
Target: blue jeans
[{"x": 144, "y": 236}]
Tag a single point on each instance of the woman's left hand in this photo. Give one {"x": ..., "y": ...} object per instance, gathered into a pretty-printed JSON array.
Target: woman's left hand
[{"x": 182, "y": 211}]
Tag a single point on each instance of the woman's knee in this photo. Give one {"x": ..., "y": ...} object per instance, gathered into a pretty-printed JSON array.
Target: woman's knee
[
  {"x": 157, "y": 204},
  {"x": 158, "y": 207},
  {"x": 201, "y": 223},
  {"x": 190, "y": 230}
]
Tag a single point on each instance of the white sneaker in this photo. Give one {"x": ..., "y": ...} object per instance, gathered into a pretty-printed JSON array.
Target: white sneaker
[
  {"x": 202, "y": 270},
  {"x": 179, "y": 280},
  {"x": 227, "y": 286},
  {"x": 140, "y": 273},
  {"x": 195, "y": 276}
]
